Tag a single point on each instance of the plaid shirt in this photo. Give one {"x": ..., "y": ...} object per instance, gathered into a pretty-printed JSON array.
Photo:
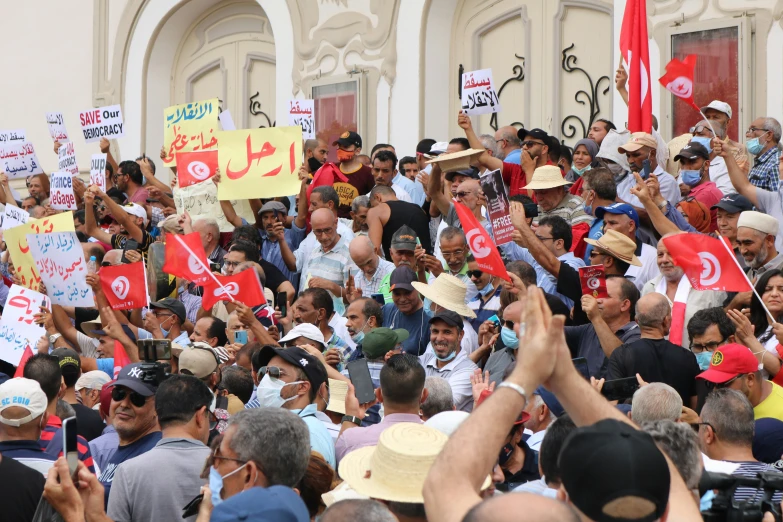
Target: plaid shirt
[
  {"x": 374, "y": 284},
  {"x": 765, "y": 173}
]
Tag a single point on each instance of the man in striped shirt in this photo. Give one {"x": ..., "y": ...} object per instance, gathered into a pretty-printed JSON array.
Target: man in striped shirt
[{"x": 372, "y": 269}]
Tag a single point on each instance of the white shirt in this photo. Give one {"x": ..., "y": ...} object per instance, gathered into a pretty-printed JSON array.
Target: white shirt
[
  {"x": 402, "y": 194},
  {"x": 669, "y": 188},
  {"x": 535, "y": 440},
  {"x": 309, "y": 243},
  {"x": 649, "y": 269},
  {"x": 719, "y": 174}
]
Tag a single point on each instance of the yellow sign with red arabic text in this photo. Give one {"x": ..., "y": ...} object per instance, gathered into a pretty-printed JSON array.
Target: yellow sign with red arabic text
[
  {"x": 259, "y": 163},
  {"x": 16, "y": 240},
  {"x": 189, "y": 127}
]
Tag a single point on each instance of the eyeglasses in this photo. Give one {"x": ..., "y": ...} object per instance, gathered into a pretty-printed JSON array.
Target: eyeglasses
[
  {"x": 529, "y": 144},
  {"x": 706, "y": 424},
  {"x": 231, "y": 264},
  {"x": 710, "y": 346},
  {"x": 719, "y": 385},
  {"x": 461, "y": 194},
  {"x": 755, "y": 129},
  {"x": 541, "y": 238},
  {"x": 450, "y": 255},
  {"x": 474, "y": 273},
  {"x": 322, "y": 231},
  {"x": 119, "y": 394},
  {"x": 273, "y": 371},
  {"x": 216, "y": 456}
]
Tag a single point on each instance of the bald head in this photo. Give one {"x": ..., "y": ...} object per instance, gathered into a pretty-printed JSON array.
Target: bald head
[
  {"x": 521, "y": 507},
  {"x": 322, "y": 218},
  {"x": 652, "y": 310},
  {"x": 513, "y": 312},
  {"x": 113, "y": 257},
  {"x": 361, "y": 247}
]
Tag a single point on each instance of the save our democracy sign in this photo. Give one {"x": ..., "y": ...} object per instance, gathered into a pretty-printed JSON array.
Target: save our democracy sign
[
  {"x": 189, "y": 127},
  {"x": 104, "y": 122}
]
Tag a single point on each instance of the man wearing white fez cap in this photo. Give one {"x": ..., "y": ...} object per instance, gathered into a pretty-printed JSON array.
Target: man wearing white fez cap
[{"x": 756, "y": 233}]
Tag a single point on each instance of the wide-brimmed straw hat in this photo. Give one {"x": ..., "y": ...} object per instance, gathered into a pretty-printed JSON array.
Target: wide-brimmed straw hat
[
  {"x": 547, "y": 177},
  {"x": 448, "y": 292},
  {"x": 456, "y": 160},
  {"x": 617, "y": 245}
]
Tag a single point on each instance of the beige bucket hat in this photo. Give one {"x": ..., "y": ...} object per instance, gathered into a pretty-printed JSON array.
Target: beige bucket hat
[
  {"x": 617, "y": 245},
  {"x": 547, "y": 177},
  {"x": 448, "y": 292}
]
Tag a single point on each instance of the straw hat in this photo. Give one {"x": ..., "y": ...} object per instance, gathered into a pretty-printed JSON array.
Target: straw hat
[
  {"x": 617, "y": 245},
  {"x": 448, "y": 292},
  {"x": 337, "y": 392},
  {"x": 547, "y": 177},
  {"x": 456, "y": 160},
  {"x": 90, "y": 327}
]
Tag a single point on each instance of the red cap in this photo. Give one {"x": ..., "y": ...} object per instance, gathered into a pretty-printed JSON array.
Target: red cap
[
  {"x": 106, "y": 398},
  {"x": 729, "y": 361},
  {"x": 523, "y": 417}
]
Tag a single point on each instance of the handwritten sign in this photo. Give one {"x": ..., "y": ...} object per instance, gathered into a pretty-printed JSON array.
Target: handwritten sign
[
  {"x": 478, "y": 93},
  {"x": 104, "y": 122},
  {"x": 61, "y": 188},
  {"x": 498, "y": 206},
  {"x": 302, "y": 113},
  {"x": 16, "y": 240},
  {"x": 98, "y": 171},
  {"x": 14, "y": 216},
  {"x": 189, "y": 127},
  {"x": 66, "y": 159},
  {"x": 56, "y": 124},
  {"x": 259, "y": 162},
  {"x": 226, "y": 121},
  {"x": 201, "y": 201},
  {"x": 12, "y": 136},
  {"x": 17, "y": 327},
  {"x": 59, "y": 259},
  {"x": 18, "y": 159}
]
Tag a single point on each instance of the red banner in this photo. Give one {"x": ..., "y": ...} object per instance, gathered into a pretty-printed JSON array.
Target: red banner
[{"x": 244, "y": 287}]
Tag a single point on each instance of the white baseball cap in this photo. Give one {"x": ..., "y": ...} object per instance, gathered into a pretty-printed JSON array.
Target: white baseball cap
[
  {"x": 24, "y": 393},
  {"x": 306, "y": 330},
  {"x": 134, "y": 209},
  {"x": 93, "y": 380},
  {"x": 718, "y": 105}
]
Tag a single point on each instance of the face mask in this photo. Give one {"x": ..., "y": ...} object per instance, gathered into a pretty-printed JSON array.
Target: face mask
[
  {"x": 314, "y": 164},
  {"x": 704, "y": 141},
  {"x": 509, "y": 337},
  {"x": 216, "y": 483},
  {"x": 344, "y": 155},
  {"x": 505, "y": 454},
  {"x": 579, "y": 171},
  {"x": 704, "y": 359},
  {"x": 358, "y": 337},
  {"x": 448, "y": 358},
  {"x": 487, "y": 290},
  {"x": 163, "y": 330},
  {"x": 588, "y": 208},
  {"x": 269, "y": 392},
  {"x": 691, "y": 177},
  {"x": 754, "y": 146}
]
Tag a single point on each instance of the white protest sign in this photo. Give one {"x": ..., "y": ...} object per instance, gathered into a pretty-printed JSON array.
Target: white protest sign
[
  {"x": 56, "y": 125},
  {"x": 98, "y": 171},
  {"x": 302, "y": 113},
  {"x": 66, "y": 159},
  {"x": 226, "y": 121},
  {"x": 12, "y": 136},
  {"x": 18, "y": 159},
  {"x": 59, "y": 259},
  {"x": 14, "y": 216},
  {"x": 478, "y": 93},
  {"x": 61, "y": 195},
  {"x": 17, "y": 327},
  {"x": 201, "y": 201},
  {"x": 105, "y": 122}
]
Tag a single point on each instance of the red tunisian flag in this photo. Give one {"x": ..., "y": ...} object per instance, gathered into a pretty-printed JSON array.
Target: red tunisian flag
[
  {"x": 28, "y": 354},
  {"x": 708, "y": 263},
  {"x": 121, "y": 358},
  {"x": 183, "y": 263},
  {"x": 678, "y": 79},
  {"x": 125, "y": 286},
  {"x": 244, "y": 287},
  {"x": 635, "y": 53},
  {"x": 482, "y": 246},
  {"x": 328, "y": 174},
  {"x": 195, "y": 167}
]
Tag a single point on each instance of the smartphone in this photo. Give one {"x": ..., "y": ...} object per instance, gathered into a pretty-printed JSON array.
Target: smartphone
[
  {"x": 620, "y": 389},
  {"x": 359, "y": 373},
  {"x": 581, "y": 367},
  {"x": 379, "y": 299},
  {"x": 130, "y": 244},
  {"x": 282, "y": 303},
  {"x": 495, "y": 320},
  {"x": 240, "y": 336},
  {"x": 645, "y": 172},
  {"x": 69, "y": 444},
  {"x": 153, "y": 350},
  {"x": 275, "y": 214}
]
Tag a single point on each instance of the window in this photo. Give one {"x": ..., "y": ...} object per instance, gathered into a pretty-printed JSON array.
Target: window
[{"x": 336, "y": 107}]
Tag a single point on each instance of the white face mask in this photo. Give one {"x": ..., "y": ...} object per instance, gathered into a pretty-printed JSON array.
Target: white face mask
[{"x": 269, "y": 392}]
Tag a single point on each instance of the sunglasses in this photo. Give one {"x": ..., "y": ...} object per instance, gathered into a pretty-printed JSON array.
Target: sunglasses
[
  {"x": 719, "y": 385},
  {"x": 530, "y": 144},
  {"x": 119, "y": 394},
  {"x": 273, "y": 371},
  {"x": 474, "y": 273}
]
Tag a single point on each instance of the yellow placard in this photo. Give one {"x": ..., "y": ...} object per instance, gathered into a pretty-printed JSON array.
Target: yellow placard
[
  {"x": 259, "y": 163},
  {"x": 16, "y": 240},
  {"x": 189, "y": 127}
]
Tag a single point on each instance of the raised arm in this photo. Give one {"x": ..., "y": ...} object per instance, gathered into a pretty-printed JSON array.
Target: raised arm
[
  {"x": 92, "y": 228},
  {"x": 6, "y": 195},
  {"x": 105, "y": 148},
  {"x": 487, "y": 161},
  {"x": 652, "y": 204},
  {"x": 435, "y": 188},
  {"x": 285, "y": 250},
  {"x": 540, "y": 253},
  {"x": 375, "y": 225},
  {"x": 738, "y": 178},
  {"x": 122, "y": 217},
  {"x": 146, "y": 168}
]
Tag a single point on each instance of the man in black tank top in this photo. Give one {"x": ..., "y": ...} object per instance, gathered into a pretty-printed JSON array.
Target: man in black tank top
[{"x": 387, "y": 215}]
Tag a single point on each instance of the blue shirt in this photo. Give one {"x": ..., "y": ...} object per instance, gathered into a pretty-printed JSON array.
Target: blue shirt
[
  {"x": 546, "y": 281},
  {"x": 320, "y": 439},
  {"x": 596, "y": 232},
  {"x": 123, "y": 453},
  {"x": 417, "y": 324},
  {"x": 515, "y": 157},
  {"x": 484, "y": 310},
  {"x": 414, "y": 189},
  {"x": 29, "y": 453},
  {"x": 270, "y": 250},
  {"x": 765, "y": 172}
]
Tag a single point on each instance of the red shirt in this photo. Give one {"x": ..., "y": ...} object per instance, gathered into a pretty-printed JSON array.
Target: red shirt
[
  {"x": 515, "y": 178},
  {"x": 51, "y": 442}
]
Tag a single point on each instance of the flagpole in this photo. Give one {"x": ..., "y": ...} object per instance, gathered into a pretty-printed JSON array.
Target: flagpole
[
  {"x": 713, "y": 130},
  {"x": 205, "y": 267},
  {"x": 752, "y": 286}
]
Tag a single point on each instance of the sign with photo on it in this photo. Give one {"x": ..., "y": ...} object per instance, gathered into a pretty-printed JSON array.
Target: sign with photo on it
[
  {"x": 103, "y": 122},
  {"x": 498, "y": 206},
  {"x": 478, "y": 93},
  {"x": 98, "y": 170},
  {"x": 17, "y": 327},
  {"x": 56, "y": 124},
  {"x": 190, "y": 127},
  {"x": 302, "y": 113},
  {"x": 18, "y": 159},
  {"x": 59, "y": 258},
  {"x": 66, "y": 159}
]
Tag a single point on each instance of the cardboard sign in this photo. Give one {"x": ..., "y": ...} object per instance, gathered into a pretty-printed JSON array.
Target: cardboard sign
[
  {"x": 66, "y": 159},
  {"x": 98, "y": 171},
  {"x": 226, "y": 121},
  {"x": 61, "y": 191},
  {"x": 18, "y": 159},
  {"x": 12, "y": 136},
  {"x": 56, "y": 125},
  {"x": 593, "y": 279},
  {"x": 302, "y": 113},
  {"x": 498, "y": 206},
  {"x": 189, "y": 127},
  {"x": 104, "y": 122},
  {"x": 16, "y": 240},
  {"x": 59, "y": 259},
  {"x": 478, "y": 93},
  {"x": 258, "y": 163},
  {"x": 201, "y": 201},
  {"x": 17, "y": 327},
  {"x": 14, "y": 216}
]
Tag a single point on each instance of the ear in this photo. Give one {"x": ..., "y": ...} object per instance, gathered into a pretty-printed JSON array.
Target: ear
[
  {"x": 379, "y": 394},
  {"x": 424, "y": 394},
  {"x": 732, "y": 339}
]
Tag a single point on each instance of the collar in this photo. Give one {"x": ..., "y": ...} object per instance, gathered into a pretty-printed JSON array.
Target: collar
[
  {"x": 764, "y": 157},
  {"x": 177, "y": 440},
  {"x": 627, "y": 327},
  {"x": 774, "y": 263},
  {"x": 568, "y": 256},
  {"x": 54, "y": 421},
  {"x": 401, "y": 417},
  {"x": 308, "y": 410},
  {"x": 336, "y": 246},
  {"x": 433, "y": 362},
  {"x": 638, "y": 250}
]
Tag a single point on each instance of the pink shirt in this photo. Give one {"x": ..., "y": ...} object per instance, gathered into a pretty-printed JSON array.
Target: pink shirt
[
  {"x": 140, "y": 197},
  {"x": 356, "y": 438},
  {"x": 708, "y": 194}
]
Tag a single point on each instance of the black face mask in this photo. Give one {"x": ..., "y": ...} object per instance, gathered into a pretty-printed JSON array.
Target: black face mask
[{"x": 313, "y": 164}]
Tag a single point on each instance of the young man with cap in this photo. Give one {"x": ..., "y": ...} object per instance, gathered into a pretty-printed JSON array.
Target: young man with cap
[
  {"x": 694, "y": 161},
  {"x": 372, "y": 269},
  {"x": 403, "y": 250},
  {"x": 292, "y": 379},
  {"x": 360, "y": 178},
  {"x": 132, "y": 219},
  {"x": 407, "y": 311},
  {"x": 387, "y": 215},
  {"x": 23, "y": 416},
  {"x": 756, "y": 237},
  {"x": 89, "y": 423}
]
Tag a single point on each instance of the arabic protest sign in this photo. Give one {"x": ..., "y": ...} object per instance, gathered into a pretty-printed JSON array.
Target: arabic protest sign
[
  {"x": 258, "y": 163},
  {"x": 18, "y": 159},
  {"x": 14, "y": 216},
  {"x": 98, "y": 171},
  {"x": 59, "y": 259},
  {"x": 17, "y": 327},
  {"x": 104, "y": 122},
  {"x": 226, "y": 121},
  {"x": 56, "y": 125},
  {"x": 61, "y": 188},
  {"x": 302, "y": 113},
  {"x": 478, "y": 93},
  {"x": 201, "y": 201},
  {"x": 12, "y": 136},
  {"x": 189, "y": 127},
  {"x": 66, "y": 159},
  {"x": 498, "y": 206},
  {"x": 16, "y": 240}
]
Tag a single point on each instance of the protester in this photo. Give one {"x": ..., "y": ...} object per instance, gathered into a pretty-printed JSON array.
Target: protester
[
  {"x": 656, "y": 401},
  {"x": 23, "y": 415},
  {"x": 89, "y": 422}
]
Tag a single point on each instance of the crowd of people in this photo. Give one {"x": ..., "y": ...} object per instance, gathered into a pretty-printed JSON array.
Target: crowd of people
[{"x": 388, "y": 376}]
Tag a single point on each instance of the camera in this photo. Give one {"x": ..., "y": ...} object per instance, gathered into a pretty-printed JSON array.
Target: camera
[
  {"x": 725, "y": 508},
  {"x": 150, "y": 352}
]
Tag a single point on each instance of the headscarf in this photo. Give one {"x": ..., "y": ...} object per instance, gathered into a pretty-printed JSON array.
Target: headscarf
[
  {"x": 592, "y": 150},
  {"x": 612, "y": 141},
  {"x": 698, "y": 214}
]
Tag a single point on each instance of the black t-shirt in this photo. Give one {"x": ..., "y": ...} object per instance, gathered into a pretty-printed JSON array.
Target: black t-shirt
[
  {"x": 569, "y": 285},
  {"x": 88, "y": 422},
  {"x": 403, "y": 213},
  {"x": 118, "y": 242},
  {"x": 657, "y": 360},
  {"x": 274, "y": 277},
  {"x": 528, "y": 472},
  {"x": 21, "y": 488}
]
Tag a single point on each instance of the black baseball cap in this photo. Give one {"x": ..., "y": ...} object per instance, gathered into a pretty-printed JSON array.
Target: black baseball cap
[
  {"x": 448, "y": 317},
  {"x": 404, "y": 238},
  {"x": 691, "y": 151},
  {"x": 347, "y": 139},
  {"x": 402, "y": 277},
  {"x": 536, "y": 134},
  {"x": 169, "y": 303},
  {"x": 125, "y": 328},
  {"x": 610, "y": 461},
  {"x": 471, "y": 173},
  {"x": 299, "y": 357},
  {"x": 67, "y": 357},
  {"x": 734, "y": 203},
  {"x": 131, "y": 376}
]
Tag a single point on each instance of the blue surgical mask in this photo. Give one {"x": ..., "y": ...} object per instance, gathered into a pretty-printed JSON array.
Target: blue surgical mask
[
  {"x": 579, "y": 171},
  {"x": 358, "y": 337},
  {"x": 487, "y": 290},
  {"x": 691, "y": 177},
  {"x": 448, "y": 358},
  {"x": 509, "y": 337},
  {"x": 216, "y": 483},
  {"x": 754, "y": 146},
  {"x": 706, "y": 142},
  {"x": 703, "y": 359}
]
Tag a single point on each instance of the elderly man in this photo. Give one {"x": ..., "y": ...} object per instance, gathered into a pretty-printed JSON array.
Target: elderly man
[
  {"x": 372, "y": 269},
  {"x": 656, "y": 401},
  {"x": 314, "y": 307},
  {"x": 762, "y": 139},
  {"x": 683, "y": 298},
  {"x": 756, "y": 236},
  {"x": 321, "y": 197},
  {"x": 695, "y": 181},
  {"x": 703, "y": 134},
  {"x": 89, "y": 385},
  {"x": 407, "y": 311},
  {"x": 403, "y": 249},
  {"x": 360, "y": 207},
  {"x": 509, "y": 144},
  {"x": 719, "y": 113},
  {"x": 468, "y": 192},
  {"x": 624, "y": 219},
  {"x": 543, "y": 409},
  {"x": 387, "y": 214},
  {"x": 549, "y": 187},
  {"x": 653, "y": 357},
  {"x": 454, "y": 248},
  {"x": 22, "y": 417}
]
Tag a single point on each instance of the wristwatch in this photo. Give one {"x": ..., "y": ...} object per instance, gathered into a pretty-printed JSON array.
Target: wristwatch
[
  {"x": 351, "y": 418},
  {"x": 54, "y": 337}
]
